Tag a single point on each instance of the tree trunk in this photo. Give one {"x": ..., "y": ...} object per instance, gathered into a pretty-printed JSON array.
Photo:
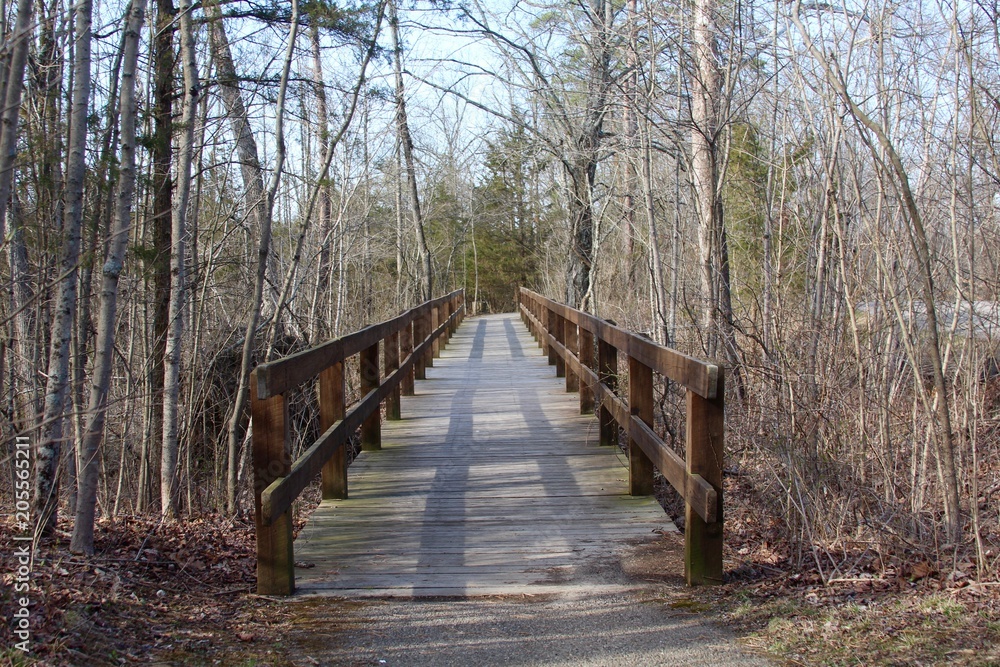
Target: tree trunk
[
  {"x": 403, "y": 130},
  {"x": 83, "y": 527},
  {"x": 175, "y": 329},
  {"x": 51, "y": 438},
  {"x": 917, "y": 236},
  {"x": 260, "y": 203},
  {"x": 163, "y": 201},
  {"x": 19, "y": 42},
  {"x": 706, "y": 88}
]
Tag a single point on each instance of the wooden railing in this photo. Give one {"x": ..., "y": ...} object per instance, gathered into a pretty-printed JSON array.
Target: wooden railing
[
  {"x": 585, "y": 350},
  {"x": 409, "y": 343}
]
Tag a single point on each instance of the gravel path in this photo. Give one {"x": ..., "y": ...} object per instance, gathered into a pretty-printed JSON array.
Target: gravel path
[{"x": 587, "y": 630}]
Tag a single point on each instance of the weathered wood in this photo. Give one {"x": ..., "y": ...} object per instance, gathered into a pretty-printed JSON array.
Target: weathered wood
[
  {"x": 278, "y": 376},
  {"x": 705, "y": 449},
  {"x": 696, "y": 492},
  {"x": 331, "y": 410},
  {"x": 700, "y": 376},
  {"x": 640, "y": 401},
  {"x": 406, "y": 385},
  {"x": 436, "y": 320},
  {"x": 420, "y": 331},
  {"x": 371, "y": 429},
  {"x": 571, "y": 341},
  {"x": 586, "y": 356},
  {"x": 607, "y": 372},
  {"x": 282, "y": 492},
  {"x": 559, "y": 331},
  {"x": 693, "y": 488},
  {"x": 271, "y": 460},
  {"x": 490, "y": 485},
  {"x": 391, "y": 360}
]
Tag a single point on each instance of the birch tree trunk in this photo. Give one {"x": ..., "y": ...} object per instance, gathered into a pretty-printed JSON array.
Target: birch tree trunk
[
  {"x": 175, "y": 319},
  {"x": 83, "y": 527},
  {"x": 51, "y": 438}
]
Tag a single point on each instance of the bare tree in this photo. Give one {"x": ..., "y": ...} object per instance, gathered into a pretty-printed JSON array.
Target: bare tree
[
  {"x": 178, "y": 232},
  {"x": 406, "y": 143},
  {"x": 259, "y": 201},
  {"x": 51, "y": 439},
  {"x": 83, "y": 527}
]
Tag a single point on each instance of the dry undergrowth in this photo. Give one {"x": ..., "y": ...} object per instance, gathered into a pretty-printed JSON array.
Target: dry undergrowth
[{"x": 182, "y": 594}]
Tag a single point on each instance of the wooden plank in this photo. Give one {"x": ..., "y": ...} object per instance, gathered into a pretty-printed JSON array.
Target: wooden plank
[
  {"x": 695, "y": 374},
  {"x": 705, "y": 451},
  {"x": 278, "y": 376},
  {"x": 331, "y": 410},
  {"x": 492, "y": 481}
]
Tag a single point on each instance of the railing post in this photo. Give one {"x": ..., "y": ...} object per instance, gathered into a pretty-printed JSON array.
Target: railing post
[
  {"x": 435, "y": 323},
  {"x": 450, "y": 329},
  {"x": 271, "y": 460},
  {"x": 371, "y": 428},
  {"x": 419, "y": 334},
  {"x": 552, "y": 326},
  {"x": 572, "y": 343},
  {"x": 431, "y": 327},
  {"x": 405, "y": 350},
  {"x": 391, "y": 359},
  {"x": 640, "y": 404},
  {"x": 586, "y": 354},
  {"x": 559, "y": 331},
  {"x": 705, "y": 449},
  {"x": 331, "y": 410},
  {"x": 543, "y": 339},
  {"x": 607, "y": 371}
]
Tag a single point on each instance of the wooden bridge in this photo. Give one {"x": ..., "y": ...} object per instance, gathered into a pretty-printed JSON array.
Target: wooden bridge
[{"x": 489, "y": 475}]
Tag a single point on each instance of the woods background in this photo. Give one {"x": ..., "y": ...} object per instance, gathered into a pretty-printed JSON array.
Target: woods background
[{"x": 808, "y": 192}]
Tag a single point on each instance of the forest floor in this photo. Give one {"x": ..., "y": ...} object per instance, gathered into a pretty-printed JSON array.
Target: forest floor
[{"x": 182, "y": 594}]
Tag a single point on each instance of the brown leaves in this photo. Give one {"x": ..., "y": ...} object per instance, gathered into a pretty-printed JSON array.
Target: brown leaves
[{"x": 151, "y": 589}]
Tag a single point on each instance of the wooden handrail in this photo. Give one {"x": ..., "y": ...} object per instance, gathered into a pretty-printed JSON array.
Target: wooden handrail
[
  {"x": 569, "y": 337},
  {"x": 408, "y": 342}
]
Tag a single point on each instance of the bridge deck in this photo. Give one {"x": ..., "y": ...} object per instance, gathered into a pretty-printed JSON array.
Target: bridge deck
[{"x": 491, "y": 484}]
